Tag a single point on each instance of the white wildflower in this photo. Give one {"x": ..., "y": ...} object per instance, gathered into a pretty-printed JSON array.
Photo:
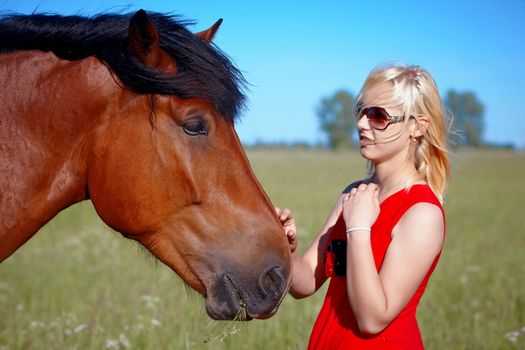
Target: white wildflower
[
  {"x": 124, "y": 341},
  {"x": 155, "y": 322},
  {"x": 112, "y": 344},
  {"x": 512, "y": 336},
  {"x": 150, "y": 300},
  {"x": 80, "y": 328},
  {"x": 36, "y": 324}
]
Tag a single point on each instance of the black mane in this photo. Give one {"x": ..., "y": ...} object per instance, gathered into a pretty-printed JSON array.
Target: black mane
[{"x": 203, "y": 70}]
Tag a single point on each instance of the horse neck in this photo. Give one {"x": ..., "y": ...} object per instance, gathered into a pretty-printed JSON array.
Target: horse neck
[{"x": 49, "y": 111}]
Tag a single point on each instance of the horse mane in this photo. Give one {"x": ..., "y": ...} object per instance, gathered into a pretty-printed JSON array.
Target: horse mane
[{"x": 203, "y": 70}]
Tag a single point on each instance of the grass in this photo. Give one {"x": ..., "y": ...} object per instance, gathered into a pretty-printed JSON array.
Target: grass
[{"x": 79, "y": 285}]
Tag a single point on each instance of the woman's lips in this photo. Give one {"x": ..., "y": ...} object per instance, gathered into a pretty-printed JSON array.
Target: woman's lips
[{"x": 364, "y": 140}]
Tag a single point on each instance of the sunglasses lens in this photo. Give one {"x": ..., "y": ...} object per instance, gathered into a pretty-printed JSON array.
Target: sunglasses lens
[{"x": 377, "y": 117}]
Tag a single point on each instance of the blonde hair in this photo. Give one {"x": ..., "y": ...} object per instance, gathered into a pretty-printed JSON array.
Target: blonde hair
[{"x": 414, "y": 89}]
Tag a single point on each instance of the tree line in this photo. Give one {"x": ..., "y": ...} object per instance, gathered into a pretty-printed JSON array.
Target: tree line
[{"x": 337, "y": 119}]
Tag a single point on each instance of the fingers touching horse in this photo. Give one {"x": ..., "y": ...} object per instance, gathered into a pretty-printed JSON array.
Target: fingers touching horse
[{"x": 136, "y": 114}]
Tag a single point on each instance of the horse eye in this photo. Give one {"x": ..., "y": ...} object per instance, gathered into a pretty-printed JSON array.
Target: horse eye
[{"x": 195, "y": 128}]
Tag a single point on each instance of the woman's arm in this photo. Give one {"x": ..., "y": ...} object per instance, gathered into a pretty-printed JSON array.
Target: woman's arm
[
  {"x": 377, "y": 298},
  {"x": 308, "y": 273}
]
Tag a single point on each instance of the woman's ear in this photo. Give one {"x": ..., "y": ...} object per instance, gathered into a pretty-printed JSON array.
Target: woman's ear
[{"x": 421, "y": 126}]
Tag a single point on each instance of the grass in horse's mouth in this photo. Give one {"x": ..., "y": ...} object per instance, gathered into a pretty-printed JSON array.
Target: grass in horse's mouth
[
  {"x": 242, "y": 314},
  {"x": 231, "y": 326},
  {"x": 222, "y": 329}
]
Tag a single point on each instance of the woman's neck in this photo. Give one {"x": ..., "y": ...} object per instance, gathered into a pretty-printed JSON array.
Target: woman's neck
[{"x": 393, "y": 176}]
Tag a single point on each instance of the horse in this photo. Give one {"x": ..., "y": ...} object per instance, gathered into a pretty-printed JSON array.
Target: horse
[{"x": 137, "y": 114}]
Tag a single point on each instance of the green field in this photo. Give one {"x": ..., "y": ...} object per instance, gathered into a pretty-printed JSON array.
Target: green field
[{"x": 79, "y": 285}]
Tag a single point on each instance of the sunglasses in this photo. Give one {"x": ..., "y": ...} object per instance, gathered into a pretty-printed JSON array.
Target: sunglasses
[{"x": 378, "y": 117}]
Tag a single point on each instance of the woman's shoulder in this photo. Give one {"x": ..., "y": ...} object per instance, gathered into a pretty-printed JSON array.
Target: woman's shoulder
[
  {"x": 418, "y": 198},
  {"x": 336, "y": 210},
  {"x": 422, "y": 203},
  {"x": 355, "y": 184},
  {"x": 422, "y": 215},
  {"x": 422, "y": 193},
  {"x": 422, "y": 208}
]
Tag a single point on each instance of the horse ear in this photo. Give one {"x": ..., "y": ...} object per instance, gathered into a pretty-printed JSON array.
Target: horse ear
[
  {"x": 144, "y": 40},
  {"x": 209, "y": 33}
]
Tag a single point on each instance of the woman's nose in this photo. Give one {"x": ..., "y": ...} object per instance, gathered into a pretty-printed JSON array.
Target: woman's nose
[{"x": 362, "y": 122}]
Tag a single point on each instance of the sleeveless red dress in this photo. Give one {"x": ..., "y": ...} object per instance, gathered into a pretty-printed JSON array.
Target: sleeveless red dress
[{"x": 336, "y": 327}]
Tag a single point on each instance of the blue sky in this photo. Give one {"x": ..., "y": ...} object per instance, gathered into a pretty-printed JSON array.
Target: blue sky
[{"x": 293, "y": 53}]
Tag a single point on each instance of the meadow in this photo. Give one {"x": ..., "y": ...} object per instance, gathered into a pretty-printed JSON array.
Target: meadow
[{"x": 79, "y": 285}]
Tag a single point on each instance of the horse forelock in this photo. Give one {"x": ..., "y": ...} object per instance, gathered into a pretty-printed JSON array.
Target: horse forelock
[{"x": 203, "y": 70}]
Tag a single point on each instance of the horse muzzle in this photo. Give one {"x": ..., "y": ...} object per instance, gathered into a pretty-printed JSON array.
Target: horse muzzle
[{"x": 233, "y": 297}]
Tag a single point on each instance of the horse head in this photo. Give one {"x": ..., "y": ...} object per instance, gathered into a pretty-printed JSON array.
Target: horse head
[{"x": 170, "y": 173}]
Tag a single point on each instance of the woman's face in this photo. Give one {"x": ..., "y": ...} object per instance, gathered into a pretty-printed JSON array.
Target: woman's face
[{"x": 381, "y": 145}]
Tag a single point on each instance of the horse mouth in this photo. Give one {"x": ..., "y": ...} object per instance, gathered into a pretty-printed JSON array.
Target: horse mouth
[
  {"x": 227, "y": 300},
  {"x": 242, "y": 314}
]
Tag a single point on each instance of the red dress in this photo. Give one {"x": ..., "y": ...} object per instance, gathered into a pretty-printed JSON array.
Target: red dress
[{"x": 336, "y": 327}]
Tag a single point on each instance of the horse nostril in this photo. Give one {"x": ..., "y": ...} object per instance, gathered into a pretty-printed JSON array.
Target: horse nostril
[{"x": 272, "y": 282}]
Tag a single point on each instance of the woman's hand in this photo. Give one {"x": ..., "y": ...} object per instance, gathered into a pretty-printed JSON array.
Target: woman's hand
[
  {"x": 288, "y": 223},
  {"x": 361, "y": 206}
]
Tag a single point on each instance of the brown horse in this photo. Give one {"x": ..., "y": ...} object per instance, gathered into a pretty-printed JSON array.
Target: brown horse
[{"x": 136, "y": 113}]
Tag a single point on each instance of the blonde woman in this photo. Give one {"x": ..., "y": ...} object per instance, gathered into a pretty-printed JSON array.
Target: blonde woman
[{"x": 384, "y": 235}]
